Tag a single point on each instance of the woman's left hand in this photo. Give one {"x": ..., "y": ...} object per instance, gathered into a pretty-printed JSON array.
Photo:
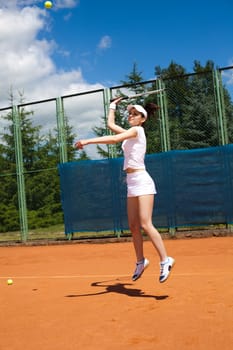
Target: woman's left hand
[{"x": 79, "y": 144}]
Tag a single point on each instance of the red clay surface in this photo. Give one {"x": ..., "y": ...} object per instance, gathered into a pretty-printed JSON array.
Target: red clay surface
[{"x": 80, "y": 296}]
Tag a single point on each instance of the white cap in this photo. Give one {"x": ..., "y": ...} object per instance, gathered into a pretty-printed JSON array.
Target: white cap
[{"x": 138, "y": 108}]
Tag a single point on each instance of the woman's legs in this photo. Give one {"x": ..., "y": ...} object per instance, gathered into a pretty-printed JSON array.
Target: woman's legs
[
  {"x": 140, "y": 216},
  {"x": 145, "y": 204},
  {"x": 145, "y": 209}
]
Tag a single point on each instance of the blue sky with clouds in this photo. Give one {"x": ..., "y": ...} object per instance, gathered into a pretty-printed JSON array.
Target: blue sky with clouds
[{"x": 81, "y": 45}]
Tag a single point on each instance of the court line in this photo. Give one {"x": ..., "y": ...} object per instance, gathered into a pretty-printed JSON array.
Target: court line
[{"x": 214, "y": 273}]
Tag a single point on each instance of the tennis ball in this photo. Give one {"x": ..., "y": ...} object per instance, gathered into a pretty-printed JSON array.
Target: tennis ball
[
  {"x": 9, "y": 281},
  {"x": 48, "y": 4}
]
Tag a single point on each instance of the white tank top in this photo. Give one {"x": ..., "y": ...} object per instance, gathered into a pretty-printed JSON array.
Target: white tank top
[{"x": 134, "y": 150}]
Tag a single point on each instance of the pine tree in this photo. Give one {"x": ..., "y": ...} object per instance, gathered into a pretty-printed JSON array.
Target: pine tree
[
  {"x": 191, "y": 106},
  {"x": 40, "y": 162}
]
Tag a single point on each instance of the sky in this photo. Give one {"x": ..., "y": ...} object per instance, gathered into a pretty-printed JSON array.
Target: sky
[{"x": 82, "y": 45}]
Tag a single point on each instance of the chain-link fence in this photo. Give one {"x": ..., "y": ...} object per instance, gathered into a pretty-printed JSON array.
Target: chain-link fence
[{"x": 196, "y": 111}]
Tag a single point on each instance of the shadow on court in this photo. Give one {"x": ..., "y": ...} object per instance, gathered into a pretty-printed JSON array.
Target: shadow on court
[{"x": 119, "y": 288}]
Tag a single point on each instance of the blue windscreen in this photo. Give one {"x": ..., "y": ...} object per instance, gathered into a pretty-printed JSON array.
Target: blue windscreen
[{"x": 195, "y": 187}]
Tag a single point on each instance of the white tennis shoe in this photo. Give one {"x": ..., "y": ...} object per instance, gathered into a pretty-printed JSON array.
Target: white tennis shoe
[
  {"x": 140, "y": 267},
  {"x": 165, "y": 268}
]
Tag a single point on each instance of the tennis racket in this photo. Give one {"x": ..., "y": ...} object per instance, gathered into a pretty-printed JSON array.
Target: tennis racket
[{"x": 138, "y": 95}]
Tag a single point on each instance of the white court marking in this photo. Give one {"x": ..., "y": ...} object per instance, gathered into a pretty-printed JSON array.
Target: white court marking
[{"x": 214, "y": 273}]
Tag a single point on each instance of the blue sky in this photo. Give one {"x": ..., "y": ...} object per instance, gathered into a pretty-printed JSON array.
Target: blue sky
[{"x": 148, "y": 33}]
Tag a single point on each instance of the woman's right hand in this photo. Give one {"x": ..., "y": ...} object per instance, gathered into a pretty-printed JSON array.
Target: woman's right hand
[
  {"x": 114, "y": 103},
  {"x": 116, "y": 100}
]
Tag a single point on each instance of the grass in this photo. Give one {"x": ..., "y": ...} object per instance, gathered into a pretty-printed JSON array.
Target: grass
[{"x": 53, "y": 233}]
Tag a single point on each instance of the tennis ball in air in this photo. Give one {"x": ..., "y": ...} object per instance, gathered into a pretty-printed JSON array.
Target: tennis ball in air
[
  {"x": 48, "y": 4},
  {"x": 9, "y": 282}
]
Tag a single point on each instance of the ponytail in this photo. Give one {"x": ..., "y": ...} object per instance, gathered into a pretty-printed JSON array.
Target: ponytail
[{"x": 151, "y": 109}]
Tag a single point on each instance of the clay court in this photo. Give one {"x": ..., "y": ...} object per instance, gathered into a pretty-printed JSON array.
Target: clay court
[{"x": 80, "y": 296}]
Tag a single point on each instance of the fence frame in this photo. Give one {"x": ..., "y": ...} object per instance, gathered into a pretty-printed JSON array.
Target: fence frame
[{"x": 61, "y": 125}]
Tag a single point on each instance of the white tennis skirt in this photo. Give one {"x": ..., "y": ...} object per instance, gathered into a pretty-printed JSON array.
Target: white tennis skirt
[{"x": 139, "y": 183}]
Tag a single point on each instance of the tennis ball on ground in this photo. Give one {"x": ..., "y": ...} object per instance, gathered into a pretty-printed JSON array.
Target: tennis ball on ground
[
  {"x": 48, "y": 4},
  {"x": 9, "y": 281}
]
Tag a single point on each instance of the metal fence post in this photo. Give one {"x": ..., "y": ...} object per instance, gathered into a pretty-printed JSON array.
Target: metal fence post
[
  {"x": 111, "y": 148},
  {"x": 220, "y": 107},
  {"x": 164, "y": 124},
  {"x": 165, "y": 132},
  {"x": 61, "y": 126},
  {"x": 111, "y": 152},
  {"x": 20, "y": 174}
]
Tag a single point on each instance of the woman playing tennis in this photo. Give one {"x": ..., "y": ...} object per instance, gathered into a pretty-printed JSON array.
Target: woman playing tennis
[{"x": 140, "y": 186}]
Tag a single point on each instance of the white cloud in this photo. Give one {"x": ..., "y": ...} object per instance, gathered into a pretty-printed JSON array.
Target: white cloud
[
  {"x": 27, "y": 67},
  {"x": 66, "y": 3},
  {"x": 105, "y": 42},
  {"x": 22, "y": 3},
  {"x": 26, "y": 61},
  {"x": 24, "y": 58},
  {"x": 68, "y": 16}
]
